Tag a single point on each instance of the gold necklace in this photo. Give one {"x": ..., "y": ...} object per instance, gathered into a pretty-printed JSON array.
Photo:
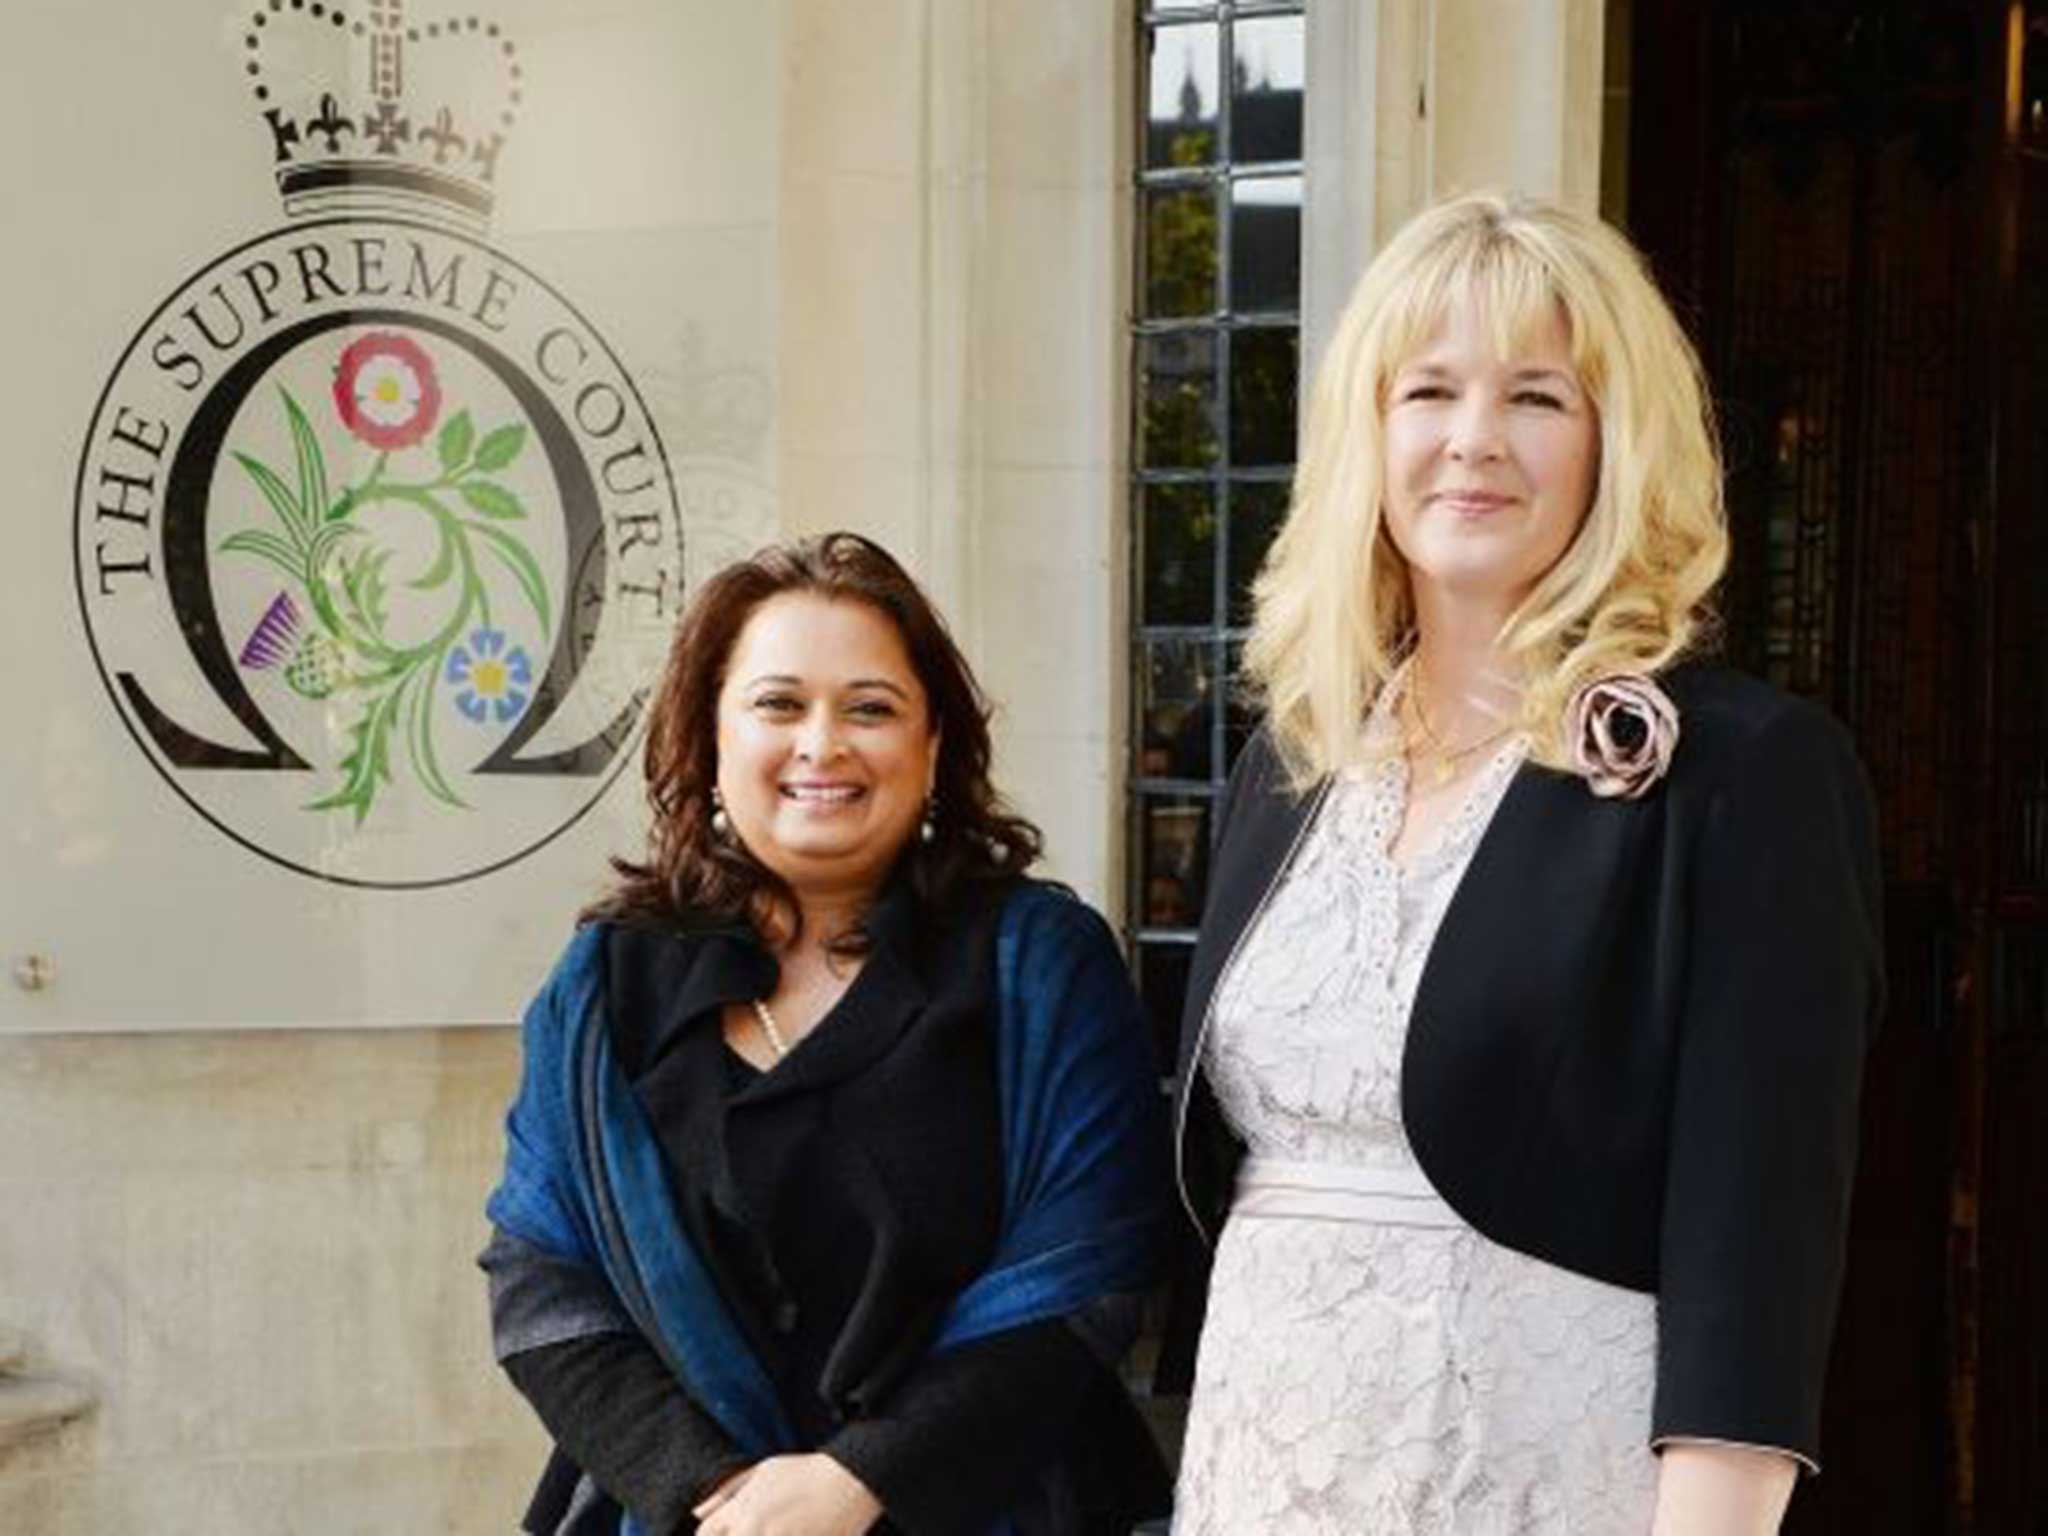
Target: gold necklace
[
  {"x": 767, "y": 1022},
  {"x": 1445, "y": 758}
]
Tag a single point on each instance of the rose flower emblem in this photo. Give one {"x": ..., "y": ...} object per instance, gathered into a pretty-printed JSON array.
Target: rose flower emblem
[
  {"x": 1621, "y": 731},
  {"x": 386, "y": 390}
]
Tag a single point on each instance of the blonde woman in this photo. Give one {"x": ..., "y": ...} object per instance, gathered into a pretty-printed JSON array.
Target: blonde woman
[{"x": 1523, "y": 1042}]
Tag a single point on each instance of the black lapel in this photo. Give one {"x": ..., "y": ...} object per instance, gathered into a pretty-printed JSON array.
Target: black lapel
[
  {"x": 664, "y": 991},
  {"x": 1514, "y": 969},
  {"x": 662, "y": 981},
  {"x": 907, "y": 957},
  {"x": 863, "y": 1025}
]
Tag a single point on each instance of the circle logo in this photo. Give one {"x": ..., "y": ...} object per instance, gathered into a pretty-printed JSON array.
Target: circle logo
[{"x": 377, "y": 547}]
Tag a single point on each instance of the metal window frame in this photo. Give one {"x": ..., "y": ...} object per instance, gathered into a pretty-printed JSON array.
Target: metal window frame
[{"x": 1223, "y": 323}]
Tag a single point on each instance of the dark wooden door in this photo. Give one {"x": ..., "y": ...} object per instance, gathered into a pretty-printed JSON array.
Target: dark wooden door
[{"x": 1847, "y": 200}]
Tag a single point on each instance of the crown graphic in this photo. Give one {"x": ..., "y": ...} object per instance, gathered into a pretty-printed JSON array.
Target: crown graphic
[{"x": 369, "y": 110}]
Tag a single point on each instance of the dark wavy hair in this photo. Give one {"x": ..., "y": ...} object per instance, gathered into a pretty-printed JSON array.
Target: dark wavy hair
[{"x": 692, "y": 875}]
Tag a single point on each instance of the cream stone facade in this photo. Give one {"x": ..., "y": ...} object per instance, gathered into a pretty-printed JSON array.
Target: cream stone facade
[
  {"x": 256, "y": 1250},
  {"x": 954, "y": 265},
  {"x": 253, "y": 1249}
]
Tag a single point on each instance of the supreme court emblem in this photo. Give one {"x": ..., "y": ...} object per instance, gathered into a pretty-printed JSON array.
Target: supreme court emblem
[{"x": 377, "y": 545}]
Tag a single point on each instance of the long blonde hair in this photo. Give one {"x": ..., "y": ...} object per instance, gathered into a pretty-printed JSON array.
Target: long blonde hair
[{"x": 1334, "y": 615}]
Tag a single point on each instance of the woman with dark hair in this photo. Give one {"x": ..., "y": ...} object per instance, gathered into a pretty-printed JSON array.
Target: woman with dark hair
[{"x": 837, "y": 1161}]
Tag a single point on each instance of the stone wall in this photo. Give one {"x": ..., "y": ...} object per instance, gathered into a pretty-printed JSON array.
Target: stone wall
[{"x": 256, "y": 1250}]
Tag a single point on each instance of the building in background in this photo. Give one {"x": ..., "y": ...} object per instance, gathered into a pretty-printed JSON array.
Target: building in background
[{"x": 1023, "y": 290}]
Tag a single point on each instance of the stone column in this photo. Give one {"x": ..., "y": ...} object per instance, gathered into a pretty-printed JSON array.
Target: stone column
[
  {"x": 1412, "y": 100},
  {"x": 953, "y": 276}
]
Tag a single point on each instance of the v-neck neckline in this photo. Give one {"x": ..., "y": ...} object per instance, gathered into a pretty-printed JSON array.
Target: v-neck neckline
[
  {"x": 1391, "y": 775},
  {"x": 756, "y": 1072}
]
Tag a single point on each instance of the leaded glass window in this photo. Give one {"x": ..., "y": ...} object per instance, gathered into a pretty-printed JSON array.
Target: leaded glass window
[{"x": 1214, "y": 359}]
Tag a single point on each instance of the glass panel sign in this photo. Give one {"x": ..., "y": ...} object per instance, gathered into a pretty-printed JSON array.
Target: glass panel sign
[{"x": 386, "y": 409}]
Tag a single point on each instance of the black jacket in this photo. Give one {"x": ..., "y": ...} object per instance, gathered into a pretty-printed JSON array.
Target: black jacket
[
  {"x": 1637, "y": 1046},
  {"x": 842, "y": 1202}
]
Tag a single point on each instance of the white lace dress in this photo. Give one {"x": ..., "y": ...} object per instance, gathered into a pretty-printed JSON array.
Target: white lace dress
[{"x": 1371, "y": 1366}]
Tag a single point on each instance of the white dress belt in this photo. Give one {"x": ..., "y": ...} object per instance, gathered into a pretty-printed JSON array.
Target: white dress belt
[{"x": 1398, "y": 1197}]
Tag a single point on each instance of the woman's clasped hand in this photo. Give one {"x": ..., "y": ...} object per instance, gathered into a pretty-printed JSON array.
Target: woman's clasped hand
[{"x": 809, "y": 1493}]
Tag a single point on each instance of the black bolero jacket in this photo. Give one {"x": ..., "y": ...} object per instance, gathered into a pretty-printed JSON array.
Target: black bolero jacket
[{"x": 1637, "y": 1046}]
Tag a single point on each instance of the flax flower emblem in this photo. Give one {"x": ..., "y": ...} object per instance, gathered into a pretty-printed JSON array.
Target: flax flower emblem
[{"x": 494, "y": 680}]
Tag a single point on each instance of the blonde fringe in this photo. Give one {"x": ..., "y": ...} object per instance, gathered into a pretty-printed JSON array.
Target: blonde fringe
[{"x": 1333, "y": 617}]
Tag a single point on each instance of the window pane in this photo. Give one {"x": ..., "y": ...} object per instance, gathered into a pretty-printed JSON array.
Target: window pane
[
  {"x": 1243, "y": 719},
  {"x": 1177, "y": 384},
  {"x": 1173, "y": 859},
  {"x": 1265, "y": 90},
  {"x": 1257, "y": 509},
  {"x": 1180, "y": 554},
  {"x": 1180, "y": 118},
  {"x": 1176, "y": 689},
  {"x": 1180, "y": 252},
  {"x": 1163, "y": 984},
  {"x": 1265, "y": 244},
  {"x": 1262, "y": 368},
  {"x": 1215, "y": 397}
]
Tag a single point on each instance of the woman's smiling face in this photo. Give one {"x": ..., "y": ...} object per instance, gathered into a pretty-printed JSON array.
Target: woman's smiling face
[
  {"x": 826, "y": 751},
  {"x": 1491, "y": 461}
]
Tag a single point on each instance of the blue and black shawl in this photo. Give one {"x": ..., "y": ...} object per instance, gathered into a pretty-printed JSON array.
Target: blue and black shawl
[{"x": 587, "y": 1181}]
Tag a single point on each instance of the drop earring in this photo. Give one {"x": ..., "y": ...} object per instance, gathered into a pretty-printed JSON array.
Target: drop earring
[
  {"x": 721, "y": 824},
  {"x": 926, "y": 831}
]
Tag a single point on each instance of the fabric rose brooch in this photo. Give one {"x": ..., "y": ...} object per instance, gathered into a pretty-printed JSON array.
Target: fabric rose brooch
[{"x": 1621, "y": 731}]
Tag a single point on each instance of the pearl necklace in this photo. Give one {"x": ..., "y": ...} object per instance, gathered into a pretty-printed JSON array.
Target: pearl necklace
[{"x": 767, "y": 1022}]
